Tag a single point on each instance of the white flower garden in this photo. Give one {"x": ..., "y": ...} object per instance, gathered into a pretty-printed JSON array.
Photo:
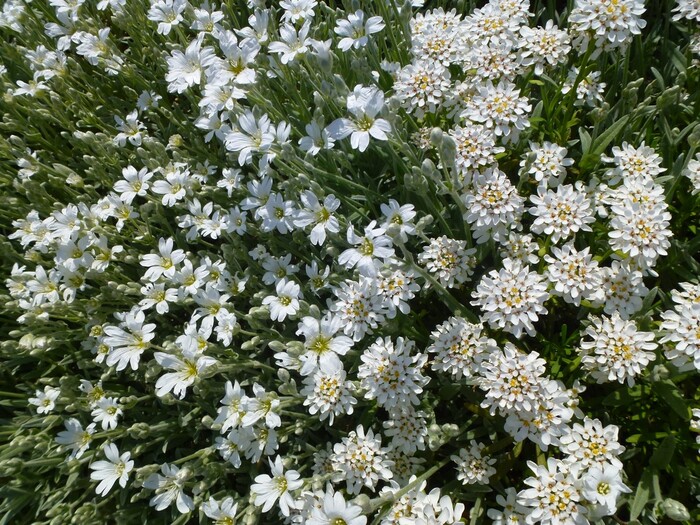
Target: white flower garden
[{"x": 378, "y": 262}]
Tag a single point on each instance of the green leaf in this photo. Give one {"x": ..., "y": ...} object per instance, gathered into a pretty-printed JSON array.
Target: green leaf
[
  {"x": 669, "y": 392},
  {"x": 586, "y": 140},
  {"x": 663, "y": 454},
  {"x": 601, "y": 142},
  {"x": 641, "y": 495},
  {"x": 621, "y": 397}
]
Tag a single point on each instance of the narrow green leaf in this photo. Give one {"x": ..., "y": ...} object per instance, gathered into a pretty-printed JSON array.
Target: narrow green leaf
[
  {"x": 668, "y": 391},
  {"x": 602, "y": 141},
  {"x": 641, "y": 495},
  {"x": 663, "y": 454}
]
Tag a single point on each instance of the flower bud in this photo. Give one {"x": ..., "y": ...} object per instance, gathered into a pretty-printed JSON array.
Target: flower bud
[
  {"x": 694, "y": 137},
  {"x": 26, "y": 342},
  {"x": 659, "y": 373},
  {"x": 283, "y": 375},
  {"x": 175, "y": 141},
  {"x": 277, "y": 346},
  {"x": 424, "y": 222},
  {"x": 363, "y": 501},
  {"x": 139, "y": 430},
  {"x": 436, "y": 137},
  {"x": 675, "y": 510}
]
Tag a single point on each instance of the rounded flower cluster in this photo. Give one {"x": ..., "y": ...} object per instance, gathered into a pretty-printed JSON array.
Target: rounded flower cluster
[
  {"x": 512, "y": 299},
  {"x": 616, "y": 351}
]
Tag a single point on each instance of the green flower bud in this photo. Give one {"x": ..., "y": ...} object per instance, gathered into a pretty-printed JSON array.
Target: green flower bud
[
  {"x": 659, "y": 373},
  {"x": 139, "y": 430},
  {"x": 675, "y": 510},
  {"x": 436, "y": 137},
  {"x": 694, "y": 137}
]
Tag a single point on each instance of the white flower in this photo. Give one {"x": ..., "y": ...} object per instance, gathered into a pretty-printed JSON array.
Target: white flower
[
  {"x": 107, "y": 411},
  {"x": 364, "y": 103},
  {"x": 630, "y": 162},
  {"x": 126, "y": 346},
  {"x": 681, "y": 326},
  {"x": 562, "y": 213},
  {"x": 422, "y": 86},
  {"x": 223, "y": 513},
  {"x": 319, "y": 215},
  {"x": 169, "y": 488},
  {"x": 617, "y": 352},
  {"x": 134, "y": 183},
  {"x": 553, "y": 495},
  {"x": 574, "y": 274},
  {"x": 592, "y": 444},
  {"x": 156, "y": 295},
  {"x": 512, "y": 514},
  {"x": 547, "y": 162},
  {"x": 327, "y": 392},
  {"x": 45, "y": 401},
  {"x": 640, "y": 232},
  {"x": 187, "y": 369},
  {"x": 74, "y": 437},
  {"x": 371, "y": 247},
  {"x": 358, "y": 306},
  {"x": 293, "y": 43},
  {"x": 401, "y": 216},
  {"x": 589, "y": 90},
  {"x": 602, "y": 485},
  {"x": 177, "y": 184},
  {"x": 390, "y": 374},
  {"x": 278, "y": 214},
  {"x": 163, "y": 264},
  {"x": 407, "y": 429},
  {"x": 693, "y": 169},
  {"x": 472, "y": 466},
  {"x": 450, "y": 259},
  {"x": 460, "y": 347},
  {"x": 500, "y": 108},
  {"x": 541, "y": 46},
  {"x": 397, "y": 287},
  {"x": 355, "y": 30},
  {"x": 167, "y": 13},
  {"x": 610, "y": 23},
  {"x": 255, "y": 135},
  {"x": 321, "y": 343},
  {"x": 264, "y": 405},
  {"x": 130, "y": 129},
  {"x": 316, "y": 139},
  {"x": 286, "y": 302},
  {"x": 493, "y": 206},
  {"x": 688, "y": 9},
  {"x": 295, "y": 10},
  {"x": 116, "y": 468},
  {"x": 360, "y": 460},
  {"x": 268, "y": 489},
  {"x": 475, "y": 149},
  {"x": 512, "y": 299},
  {"x": 334, "y": 510},
  {"x": 230, "y": 414},
  {"x": 185, "y": 69}
]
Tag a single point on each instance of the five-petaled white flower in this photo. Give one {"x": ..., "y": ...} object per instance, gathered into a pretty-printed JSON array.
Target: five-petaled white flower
[{"x": 116, "y": 468}]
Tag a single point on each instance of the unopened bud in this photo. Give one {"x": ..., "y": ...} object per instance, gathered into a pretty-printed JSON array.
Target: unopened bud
[
  {"x": 659, "y": 373},
  {"x": 675, "y": 510},
  {"x": 436, "y": 137}
]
